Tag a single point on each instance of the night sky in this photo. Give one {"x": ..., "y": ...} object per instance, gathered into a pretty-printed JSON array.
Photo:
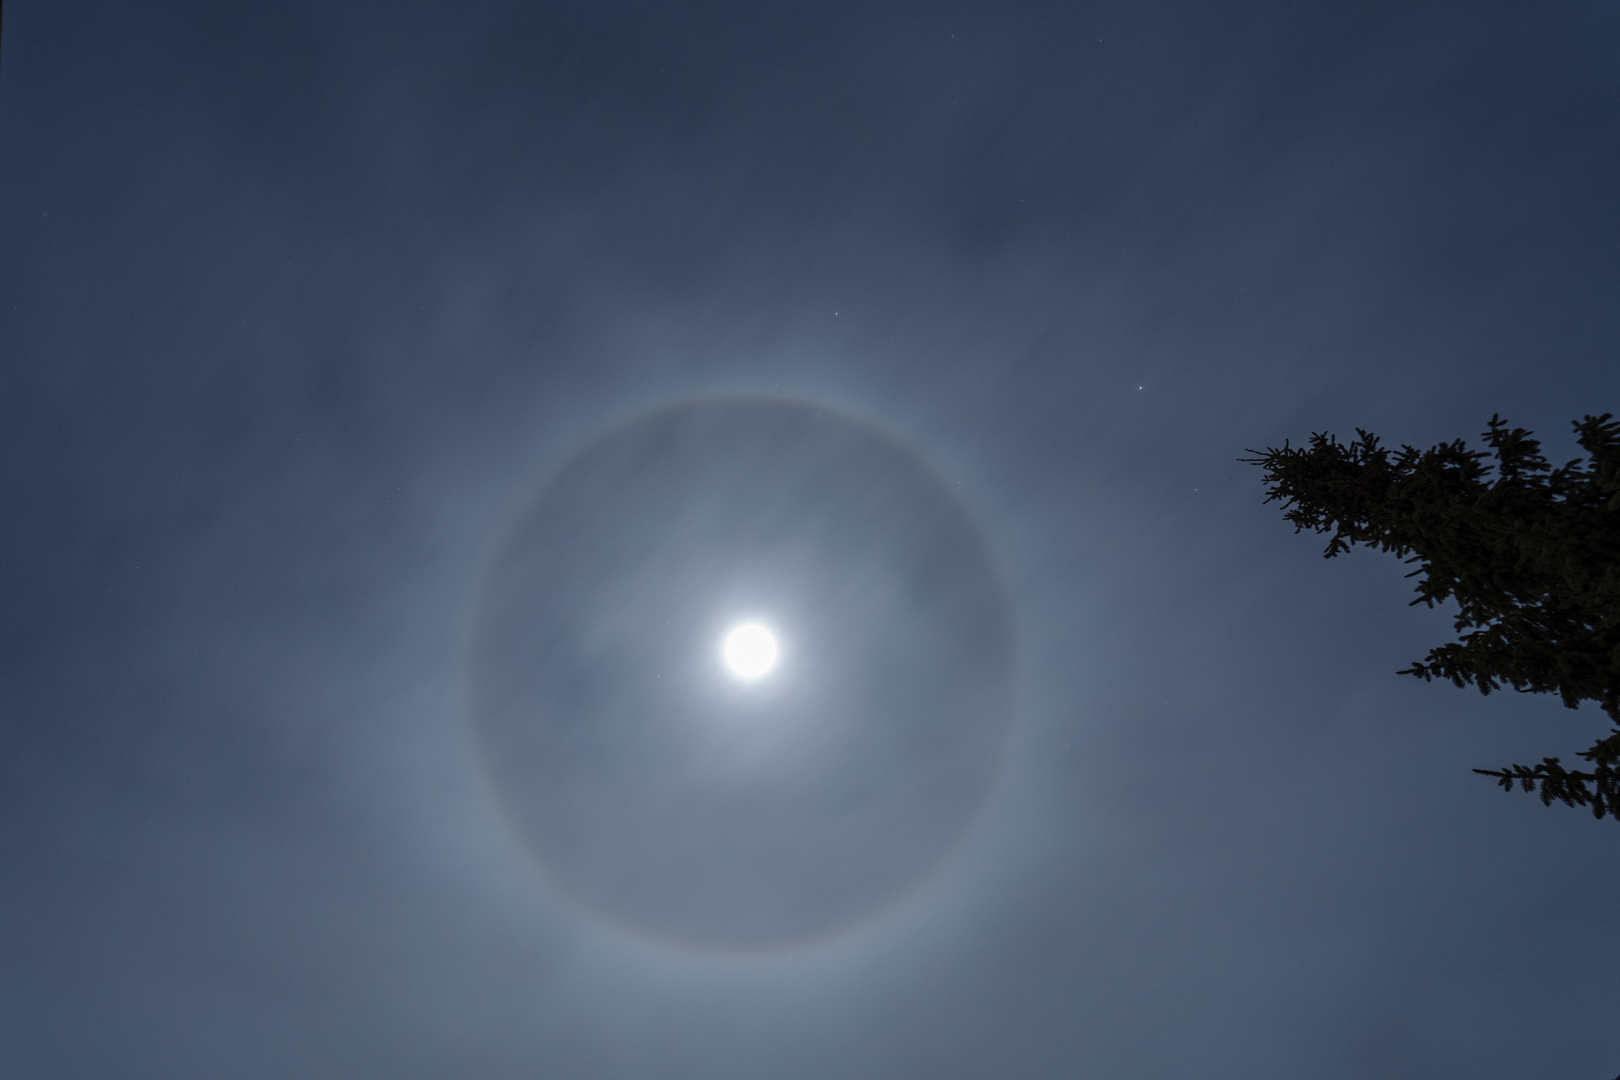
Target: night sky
[{"x": 398, "y": 400}]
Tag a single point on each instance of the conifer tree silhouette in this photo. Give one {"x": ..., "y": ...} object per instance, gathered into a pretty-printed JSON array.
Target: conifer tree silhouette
[{"x": 1529, "y": 553}]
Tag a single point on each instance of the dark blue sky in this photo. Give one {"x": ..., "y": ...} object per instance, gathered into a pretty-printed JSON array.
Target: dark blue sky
[{"x": 299, "y": 307}]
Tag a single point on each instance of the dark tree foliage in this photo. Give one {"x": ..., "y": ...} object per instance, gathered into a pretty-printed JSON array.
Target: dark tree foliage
[{"x": 1529, "y": 553}]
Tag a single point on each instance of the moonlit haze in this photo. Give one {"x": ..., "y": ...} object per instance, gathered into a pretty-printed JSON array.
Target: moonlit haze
[{"x": 705, "y": 540}]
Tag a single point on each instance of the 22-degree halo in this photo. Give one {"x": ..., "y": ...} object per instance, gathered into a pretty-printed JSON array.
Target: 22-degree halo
[{"x": 663, "y": 793}]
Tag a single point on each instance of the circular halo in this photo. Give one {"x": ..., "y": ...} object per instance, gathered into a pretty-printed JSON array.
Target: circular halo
[{"x": 707, "y": 808}]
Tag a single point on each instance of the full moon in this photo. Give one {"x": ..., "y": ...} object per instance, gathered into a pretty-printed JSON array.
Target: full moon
[{"x": 749, "y": 651}]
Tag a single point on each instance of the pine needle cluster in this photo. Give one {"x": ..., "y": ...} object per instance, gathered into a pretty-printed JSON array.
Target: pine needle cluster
[{"x": 1529, "y": 553}]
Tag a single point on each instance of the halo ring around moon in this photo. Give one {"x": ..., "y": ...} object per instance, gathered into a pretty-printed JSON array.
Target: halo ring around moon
[{"x": 700, "y": 809}]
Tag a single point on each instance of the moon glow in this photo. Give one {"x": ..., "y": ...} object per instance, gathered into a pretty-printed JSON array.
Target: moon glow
[
  {"x": 750, "y": 651},
  {"x": 616, "y": 740}
]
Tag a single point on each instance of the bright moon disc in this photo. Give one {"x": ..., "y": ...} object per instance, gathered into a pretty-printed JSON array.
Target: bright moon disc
[{"x": 749, "y": 651}]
